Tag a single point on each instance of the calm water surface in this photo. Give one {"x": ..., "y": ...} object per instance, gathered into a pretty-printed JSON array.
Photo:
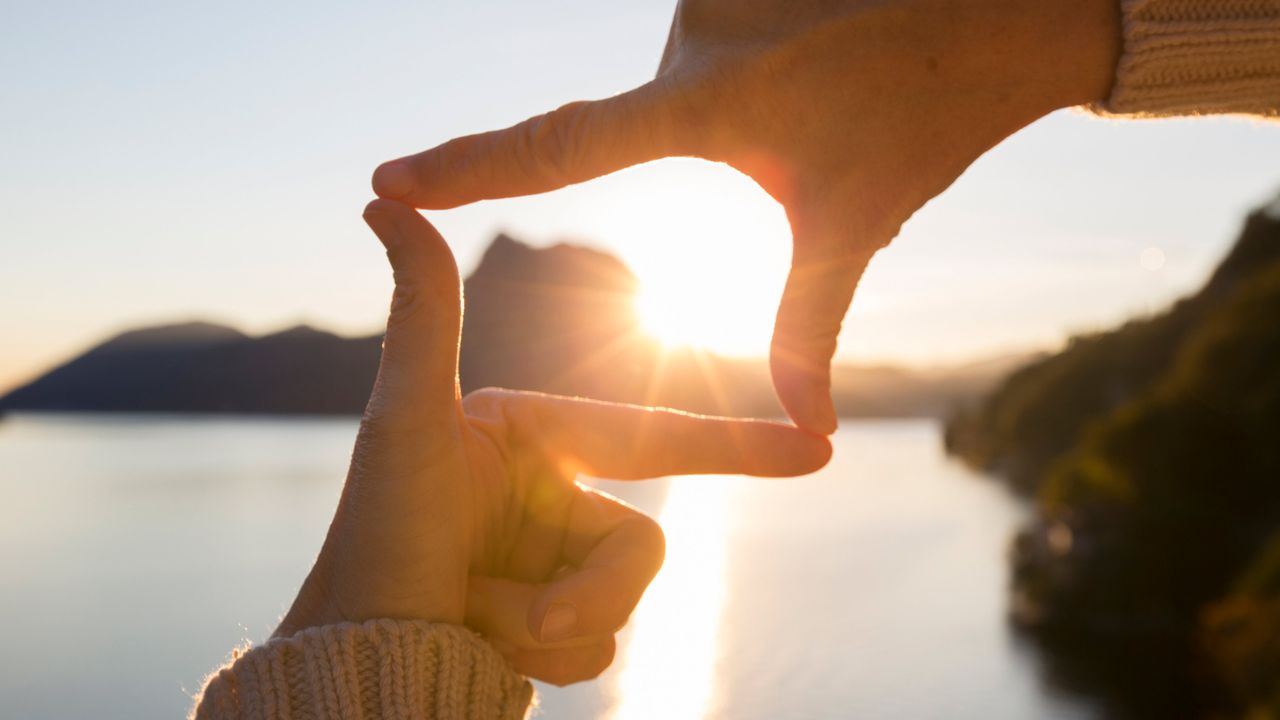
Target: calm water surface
[{"x": 136, "y": 552}]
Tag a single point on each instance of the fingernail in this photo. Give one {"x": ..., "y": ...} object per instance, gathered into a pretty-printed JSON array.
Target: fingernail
[
  {"x": 558, "y": 622},
  {"x": 393, "y": 180}
]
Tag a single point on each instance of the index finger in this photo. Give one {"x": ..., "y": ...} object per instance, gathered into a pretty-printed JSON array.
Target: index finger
[
  {"x": 630, "y": 442},
  {"x": 577, "y": 142}
]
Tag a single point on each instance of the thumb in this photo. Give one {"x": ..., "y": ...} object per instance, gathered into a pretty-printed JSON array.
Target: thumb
[
  {"x": 825, "y": 269},
  {"x": 572, "y": 144},
  {"x": 418, "y": 373},
  {"x": 497, "y": 607}
]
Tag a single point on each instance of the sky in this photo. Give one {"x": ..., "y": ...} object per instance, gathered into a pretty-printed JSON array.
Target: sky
[{"x": 161, "y": 161}]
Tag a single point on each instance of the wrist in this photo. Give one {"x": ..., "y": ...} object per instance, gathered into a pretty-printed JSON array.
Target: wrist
[
  {"x": 1007, "y": 63},
  {"x": 1067, "y": 50}
]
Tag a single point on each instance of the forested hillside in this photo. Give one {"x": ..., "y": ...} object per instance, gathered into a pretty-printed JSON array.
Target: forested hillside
[{"x": 1152, "y": 570}]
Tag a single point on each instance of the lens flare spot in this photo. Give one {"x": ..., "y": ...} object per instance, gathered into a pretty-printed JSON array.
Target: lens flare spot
[{"x": 1151, "y": 259}]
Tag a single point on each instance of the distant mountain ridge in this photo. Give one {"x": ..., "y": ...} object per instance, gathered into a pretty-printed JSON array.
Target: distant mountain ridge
[
  {"x": 559, "y": 319},
  {"x": 189, "y": 334},
  {"x": 201, "y": 367}
]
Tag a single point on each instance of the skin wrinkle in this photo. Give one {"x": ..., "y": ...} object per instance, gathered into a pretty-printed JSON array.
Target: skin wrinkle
[
  {"x": 503, "y": 510},
  {"x": 547, "y": 149}
]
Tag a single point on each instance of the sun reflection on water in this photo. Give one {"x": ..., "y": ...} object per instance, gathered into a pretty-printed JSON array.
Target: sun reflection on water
[{"x": 668, "y": 668}]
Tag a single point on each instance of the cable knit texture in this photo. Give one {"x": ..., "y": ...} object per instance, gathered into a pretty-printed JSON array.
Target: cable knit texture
[
  {"x": 377, "y": 670},
  {"x": 1198, "y": 57}
]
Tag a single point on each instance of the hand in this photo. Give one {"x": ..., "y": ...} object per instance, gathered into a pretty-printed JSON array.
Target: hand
[
  {"x": 851, "y": 113},
  {"x": 467, "y": 511}
]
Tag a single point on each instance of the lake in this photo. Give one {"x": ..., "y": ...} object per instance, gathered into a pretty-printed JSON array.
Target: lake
[{"x": 136, "y": 551}]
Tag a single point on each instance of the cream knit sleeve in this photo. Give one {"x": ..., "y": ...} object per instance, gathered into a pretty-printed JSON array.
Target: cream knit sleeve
[
  {"x": 377, "y": 670},
  {"x": 1197, "y": 57}
]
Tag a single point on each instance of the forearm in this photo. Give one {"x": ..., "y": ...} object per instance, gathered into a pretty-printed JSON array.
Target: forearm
[{"x": 384, "y": 669}]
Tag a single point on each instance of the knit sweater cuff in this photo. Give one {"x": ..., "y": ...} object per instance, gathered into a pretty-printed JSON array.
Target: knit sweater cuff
[
  {"x": 386, "y": 669},
  {"x": 1194, "y": 57}
]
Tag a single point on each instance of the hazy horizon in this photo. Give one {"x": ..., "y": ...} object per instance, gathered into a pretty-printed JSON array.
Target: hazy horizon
[
  {"x": 189, "y": 161},
  {"x": 162, "y": 323}
]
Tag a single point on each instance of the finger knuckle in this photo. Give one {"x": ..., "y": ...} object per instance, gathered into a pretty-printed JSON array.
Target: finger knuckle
[
  {"x": 549, "y": 145},
  {"x": 484, "y": 399},
  {"x": 406, "y": 302},
  {"x": 518, "y": 417}
]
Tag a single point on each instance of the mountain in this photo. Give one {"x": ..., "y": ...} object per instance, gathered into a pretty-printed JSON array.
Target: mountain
[
  {"x": 558, "y": 319},
  {"x": 1151, "y": 571},
  {"x": 200, "y": 367}
]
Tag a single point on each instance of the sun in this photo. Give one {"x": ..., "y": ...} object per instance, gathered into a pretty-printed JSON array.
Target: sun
[
  {"x": 711, "y": 252},
  {"x": 720, "y": 317}
]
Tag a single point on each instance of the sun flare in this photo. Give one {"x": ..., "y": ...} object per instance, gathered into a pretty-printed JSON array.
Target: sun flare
[
  {"x": 708, "y": 318},
  {"x": 711, "y": 258},
  {"x": 668, "y": 666}
]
